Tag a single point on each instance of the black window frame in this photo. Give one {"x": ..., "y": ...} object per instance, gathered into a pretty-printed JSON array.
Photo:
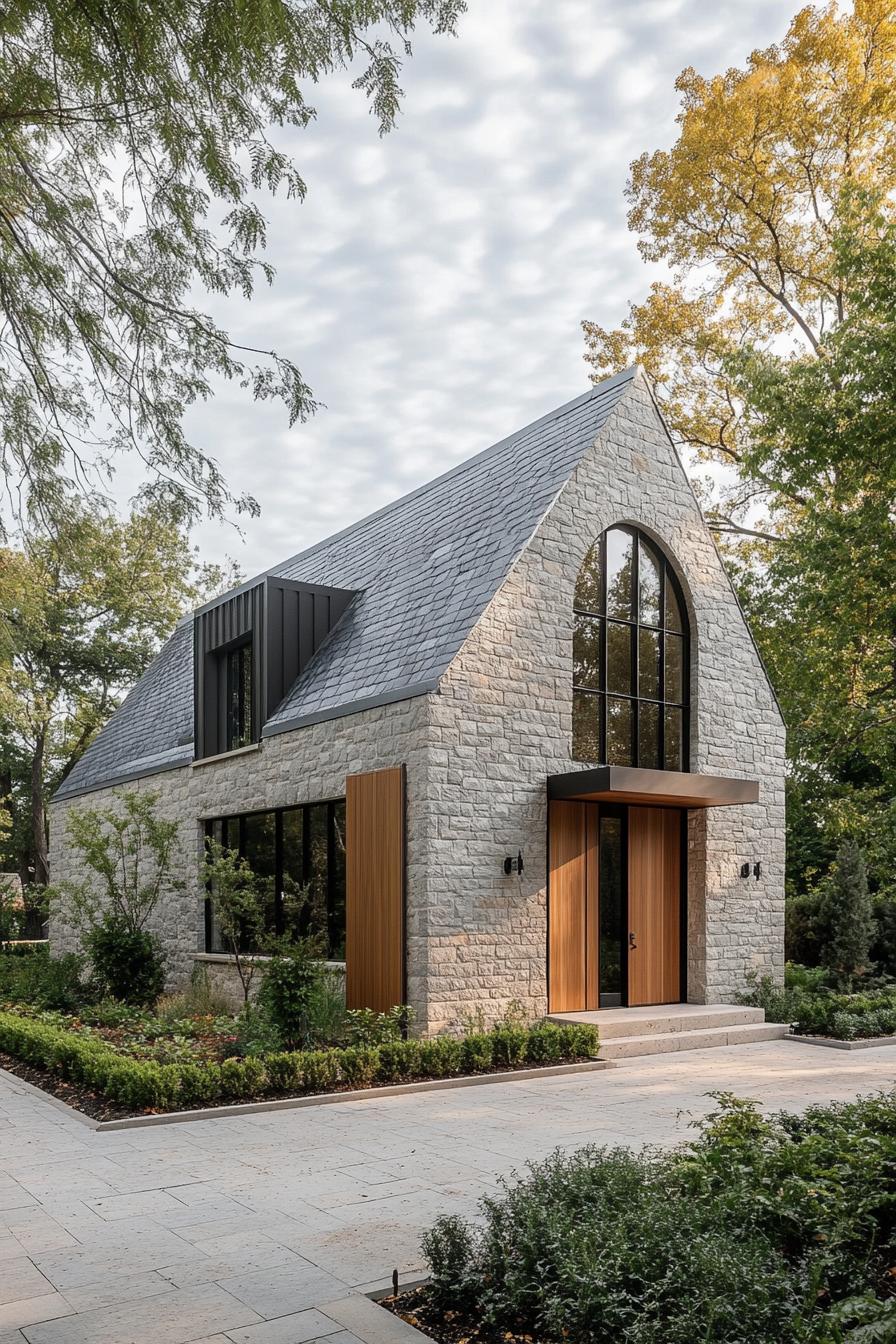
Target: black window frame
[
  {"x": 237, "y": 822},
  {"x": 601, "y": 620},
  {"x": 239, "y": 669}
]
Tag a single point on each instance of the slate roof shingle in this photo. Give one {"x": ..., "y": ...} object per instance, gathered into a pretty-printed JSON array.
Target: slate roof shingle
[{"x": 424, "y": 567}]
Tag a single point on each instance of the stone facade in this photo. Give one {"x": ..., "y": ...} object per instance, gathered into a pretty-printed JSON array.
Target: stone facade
[{"x": 478, "y": 751}]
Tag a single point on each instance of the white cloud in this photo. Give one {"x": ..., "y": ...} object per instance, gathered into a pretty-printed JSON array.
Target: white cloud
[{"x": 432, "y": 284}]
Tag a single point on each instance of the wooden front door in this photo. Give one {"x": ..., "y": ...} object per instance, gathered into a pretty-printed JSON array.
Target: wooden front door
[
  {"x": 654, "y": 905},
  {"x": 614, "y": 906}
]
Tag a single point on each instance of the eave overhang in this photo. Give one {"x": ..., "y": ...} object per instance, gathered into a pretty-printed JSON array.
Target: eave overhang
[{"x": 670, "y": 788}]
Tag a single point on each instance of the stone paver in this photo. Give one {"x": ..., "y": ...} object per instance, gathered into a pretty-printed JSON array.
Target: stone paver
[{"x": 243, "y": 1230}]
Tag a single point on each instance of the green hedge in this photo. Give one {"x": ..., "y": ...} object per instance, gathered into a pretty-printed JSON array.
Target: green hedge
[{"x": 145, "y": 1084}]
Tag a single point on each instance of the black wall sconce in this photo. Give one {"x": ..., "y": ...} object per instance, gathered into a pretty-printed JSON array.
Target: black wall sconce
[
  {"x": 755, "y": 869},
  {"x": 512, "y": 865}
]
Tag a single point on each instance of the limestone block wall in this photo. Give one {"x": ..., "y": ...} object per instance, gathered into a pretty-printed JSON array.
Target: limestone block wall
[
  {"x": 304, "y": 766},
  {"x": 502, "y": 722}
]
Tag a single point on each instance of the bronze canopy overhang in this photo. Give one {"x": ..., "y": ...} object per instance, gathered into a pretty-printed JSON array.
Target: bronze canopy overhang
[{"x": 671, "y": 788}]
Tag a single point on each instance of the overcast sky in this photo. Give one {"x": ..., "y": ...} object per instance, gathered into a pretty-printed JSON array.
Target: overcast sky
[{"x": 432, "y": 285}]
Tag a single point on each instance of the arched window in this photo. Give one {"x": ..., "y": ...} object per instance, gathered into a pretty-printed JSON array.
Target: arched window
[{"x": 630, "y": 657}]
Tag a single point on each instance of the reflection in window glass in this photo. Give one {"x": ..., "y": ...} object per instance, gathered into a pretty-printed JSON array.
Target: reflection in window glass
[
  {"x": 673, "y": 742},
  {"x": 588, "y": 594},
  {"x": 619, "y": 657},
  {"x": 674, "y": 669},
  {"x": 649, "y": 663},
  {"x": 300, "y": 854},
  {"x": 585, "y": 730},
  {"x": 619, "y": 731},
  {"x": 649, "y": 585},
  {"x": 620, "y": 558},
  {"x": 648, "y": 735},
  {"x": 610, "y": 885},
  {"x": 673, "y": 610},
  {"x": 586, "y": 652}
]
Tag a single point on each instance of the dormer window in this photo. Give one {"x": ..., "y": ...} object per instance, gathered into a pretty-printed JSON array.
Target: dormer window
[
  {"x": 239, "y": 682},
  {"x": 249, "y": 649}
]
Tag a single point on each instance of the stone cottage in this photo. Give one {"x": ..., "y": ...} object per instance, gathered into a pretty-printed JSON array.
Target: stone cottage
[{"x": 512, "y": 732}]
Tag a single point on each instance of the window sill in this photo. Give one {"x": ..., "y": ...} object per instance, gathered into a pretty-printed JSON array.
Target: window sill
[
  {"x": 225, "y": 959},
  {"x": 225, "y": 755}
]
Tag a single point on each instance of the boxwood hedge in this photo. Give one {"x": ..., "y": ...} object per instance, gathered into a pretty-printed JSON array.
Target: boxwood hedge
[{"x": 148, "y": 1085}]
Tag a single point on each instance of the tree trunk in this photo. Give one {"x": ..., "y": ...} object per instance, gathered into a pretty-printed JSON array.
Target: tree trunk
[{"x": 38, "y": 815}]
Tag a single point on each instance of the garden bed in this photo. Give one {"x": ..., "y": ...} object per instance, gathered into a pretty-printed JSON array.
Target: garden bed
[
  {"x": 762, "y": 1229},
  {"x": 102, "y": 1079}
]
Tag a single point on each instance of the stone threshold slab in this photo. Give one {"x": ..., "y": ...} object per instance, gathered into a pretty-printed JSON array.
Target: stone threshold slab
[
  {"x": 323, "y": 1099},
  {"x": 867, "y": 1043}
]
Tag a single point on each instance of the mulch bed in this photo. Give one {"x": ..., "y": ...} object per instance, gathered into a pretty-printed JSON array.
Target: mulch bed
[{"x": 448, "y": 1327}]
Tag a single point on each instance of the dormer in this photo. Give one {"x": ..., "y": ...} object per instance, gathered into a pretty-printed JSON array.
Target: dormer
[{"x": 249, "y": 648}]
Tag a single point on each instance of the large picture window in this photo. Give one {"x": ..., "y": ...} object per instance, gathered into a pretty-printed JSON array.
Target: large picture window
[
  {"x": 630, "y": 657},
  {"x": 293, "y": 850}
]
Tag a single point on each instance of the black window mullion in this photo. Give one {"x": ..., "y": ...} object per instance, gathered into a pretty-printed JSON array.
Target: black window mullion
[
  {"x": 331, "y": 876},
  {"x": 279, "y": 923}
]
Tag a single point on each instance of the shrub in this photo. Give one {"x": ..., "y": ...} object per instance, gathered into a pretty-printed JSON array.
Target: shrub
[
  {"x": 290, "y": 980},
  {"x": 578, "y": 1041},
  {"x": 128, "y": 964},
  {"x": 363, "y": 1026},
  {"x": 243, "y": 1078},
  {"x": 476, "y": 1052},
  {"x": 320, "y": 1069},
  {"x": 441, "y": 1056},
  {"x": 199, "y": 999},
  {"x": 757, "y": 1231},
  {"x": 284, "y": 1069},
  {"x": 358, "y": 1065},
  {"x": 544, "y": 1045},
  {"x": 846, "y": 917},
  {"x": 398, "y": 1061},
  {"x": 509, "y": 1045}
]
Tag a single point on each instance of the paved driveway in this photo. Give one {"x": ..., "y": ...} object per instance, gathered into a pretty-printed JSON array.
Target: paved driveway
[{"x": 239, "y": 1231}]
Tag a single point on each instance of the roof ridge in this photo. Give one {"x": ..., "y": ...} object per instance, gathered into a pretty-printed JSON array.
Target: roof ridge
[{"x": 599, "y": 389}]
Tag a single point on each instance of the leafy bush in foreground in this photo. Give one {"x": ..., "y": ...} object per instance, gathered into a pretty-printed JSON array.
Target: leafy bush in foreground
[
  {"x": 36, "y": 977},
  {"x": 813, "y": 1009},
  {"x": 760, "y": 1231}
]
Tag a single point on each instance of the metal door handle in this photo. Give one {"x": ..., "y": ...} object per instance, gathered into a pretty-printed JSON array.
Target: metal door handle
[{"x": 631, "y": 940}]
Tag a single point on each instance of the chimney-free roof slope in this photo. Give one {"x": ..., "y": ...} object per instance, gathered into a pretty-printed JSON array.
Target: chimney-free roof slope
[{"x": 424, "y": 569}]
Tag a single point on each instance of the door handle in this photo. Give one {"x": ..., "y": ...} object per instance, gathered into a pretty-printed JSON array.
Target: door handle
[{"x": 632, "y": 941}]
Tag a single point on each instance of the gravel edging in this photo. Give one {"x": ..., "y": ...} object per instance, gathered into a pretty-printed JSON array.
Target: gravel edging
[
  {"x": 320, "y": 1099},
  {"x": 868, "y": 1043}
]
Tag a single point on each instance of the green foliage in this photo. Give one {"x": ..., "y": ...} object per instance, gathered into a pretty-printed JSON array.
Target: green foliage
[
  {"x": 38, "y": 978},
  {"x": 128, "y": 964},
  {"x": 545, "y": 1044},
  {"x": 166, "y": 1078},
  {"x": 292, "y": 978},
  {"x": 134, "y": 144},
  {"x": 812, "y": 1008},
  {"x": 239, "y": 902},
  {"x": 84, "y": 605},
  {"x": 363, "y": 1026},
  {"x": 199, "y": 999},
  {"x": 759, "y": 1230},
  {"x": 509, "y": 1043},
  {"x": 130, "y": 853},
  {"x": 846, "y": 917}
]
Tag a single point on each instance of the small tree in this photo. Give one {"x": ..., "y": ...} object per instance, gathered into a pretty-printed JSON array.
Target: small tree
[
  {"x": 846, "y": 916},
  {"x": 129, "y": 852},
  {"x": 238, "y": 898}
]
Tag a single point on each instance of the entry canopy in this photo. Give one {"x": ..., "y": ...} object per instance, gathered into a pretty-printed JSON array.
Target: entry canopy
[{"x": 629, "y": 784}]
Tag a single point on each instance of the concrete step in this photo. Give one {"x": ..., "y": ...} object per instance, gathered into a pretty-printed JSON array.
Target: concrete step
[
  {"x": 662, "y": 1020},
  {"x": 702, "y": 1038}
]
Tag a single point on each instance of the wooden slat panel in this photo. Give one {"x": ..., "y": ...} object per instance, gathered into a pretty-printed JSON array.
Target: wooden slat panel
[
  {"x": 654, "y": 905},
  {"x": 592, "y": 926},
  {"x": 566, "y": 911},
  {"x": 374, "y": 889}
]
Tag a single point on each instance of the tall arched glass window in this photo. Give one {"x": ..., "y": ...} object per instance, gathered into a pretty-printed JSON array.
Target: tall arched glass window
[{"x": 630, "y": 657}]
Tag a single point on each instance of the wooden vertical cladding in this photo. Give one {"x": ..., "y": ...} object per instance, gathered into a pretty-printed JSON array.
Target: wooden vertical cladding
[
  {"x": 375, "y": 889},
  {"x": 566, "y": 922},
  {"x": 654, "y": 905},
  {"x": 285, "y": 622},
  {"x": 592, "y": 907}
]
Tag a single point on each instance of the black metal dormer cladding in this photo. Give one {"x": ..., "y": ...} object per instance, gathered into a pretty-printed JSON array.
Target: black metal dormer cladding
[{"x": 249, "y": 647}]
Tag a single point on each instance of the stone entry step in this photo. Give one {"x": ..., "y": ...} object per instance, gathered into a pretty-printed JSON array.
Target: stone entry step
[{"x": 628, "y": 1032}]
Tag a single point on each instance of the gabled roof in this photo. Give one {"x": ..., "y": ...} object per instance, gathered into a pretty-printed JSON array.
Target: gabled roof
[{"x": 424, "y": 568}]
